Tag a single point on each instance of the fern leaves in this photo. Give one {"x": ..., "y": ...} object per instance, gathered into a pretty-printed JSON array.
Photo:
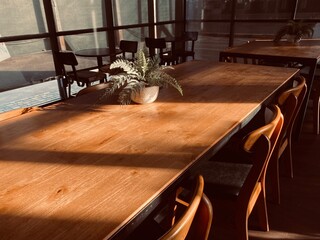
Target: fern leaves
[{"x": 136, "y": 75}]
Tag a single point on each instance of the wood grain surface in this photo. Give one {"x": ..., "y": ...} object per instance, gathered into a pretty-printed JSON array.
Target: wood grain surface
[{"x": 307, "y": 48}]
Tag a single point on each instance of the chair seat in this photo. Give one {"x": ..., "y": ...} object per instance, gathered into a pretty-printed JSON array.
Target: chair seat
[
  {"x": 90, "y": 76},
  {"x": 224, "y": 178},
  {"x": 186, "y": 53},
  {"x": 168, "y": 57}
]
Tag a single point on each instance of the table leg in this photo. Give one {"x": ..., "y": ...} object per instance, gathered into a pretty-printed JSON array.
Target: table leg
[
  {"x": 99, "y": 60},
  {"x": 303, "y": 110}
]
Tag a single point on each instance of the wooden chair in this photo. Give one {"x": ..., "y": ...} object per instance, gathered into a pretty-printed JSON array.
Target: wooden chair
[
  {"x": 167, "y": 57},
  {"x": 196, "y": 221},
  {"x": 227, "y": 57},
  {"x": 314, "y": 95},
  {"x": 243, "y": 184},
  {"x": 188, "y": 37},
  {"x": 290, "y": 102},
  {"x": 93, "y": 88},
  {"x": 82, "y": 77},
  {"x": 184, "y": 214},
  {"x": 128, "y": 47},
  {"x": 17, "y": 112}
]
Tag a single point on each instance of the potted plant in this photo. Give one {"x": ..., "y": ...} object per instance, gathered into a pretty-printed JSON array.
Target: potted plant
[
  {"x": 294, "y": 30},
  {"x": 137, "y": 79}
]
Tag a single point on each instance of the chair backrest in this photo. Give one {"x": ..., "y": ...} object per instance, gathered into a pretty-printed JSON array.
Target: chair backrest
[
  {"x": 191, "y": 36},
  {"x": 298, "y": 90},
  {"x": 155, "y": 43},
  {"x": 274, "y": 119},
  {"x": 259, "y": 144},
  {"x": 199, "y": 206},
  {"x": 289, "y": 111},
  {"x": 201, "y": 225},
  {"x": 128, "y": 47},
  {"x": 68, "y": 59},
  {"x": 93, "y": 88}
]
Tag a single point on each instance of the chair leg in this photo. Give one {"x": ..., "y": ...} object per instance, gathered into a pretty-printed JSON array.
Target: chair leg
[
  {"x": 316, "y": 113},
  {"x": 273, "y": 181},
  {"x": 261, "y": 207},
  {"x": 287, "y": 159}
]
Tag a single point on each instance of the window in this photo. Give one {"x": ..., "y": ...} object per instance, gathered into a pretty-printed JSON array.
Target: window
[{"x": 130, "y": 12}]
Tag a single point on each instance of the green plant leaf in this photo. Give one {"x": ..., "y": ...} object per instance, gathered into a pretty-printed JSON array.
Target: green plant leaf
[{"x": 136, "y": 75}]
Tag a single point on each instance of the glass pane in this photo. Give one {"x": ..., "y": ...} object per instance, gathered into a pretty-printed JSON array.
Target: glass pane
[
  {"x": 87, "y": 41},
  {"x": 19, "y": 18},
  {"x": 253, "y": 30},
  {"x": 30, "y": 96},
  {"x": 208, "y": 9},
  {"x": 165, "y": 10},
  {"x": 261, "y": 9},
  {"x": 167, "y": 30},
  {"x": 216, "y": 28},
  {"x": 129, "y": 12},
  {"x": 84, "y": 41},
  {"x": 207, "y": 47},
  {"x": 212, "y": 38},
  {"x": 26, "y": 62},
  {"x": 132, "y": 34},
  {"x": 308, "y": 9},
  {"x": 75, "y": 15}
]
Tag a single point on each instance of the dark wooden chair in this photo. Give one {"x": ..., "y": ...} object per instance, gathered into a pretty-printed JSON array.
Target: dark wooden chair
[
  {"x": 314, "y": 95},
  {"x": 239, "y": 187},
  {"x": 130, "y": 47},
  {"x": 167, "y": 57},
  {"x": 227, "y": 57},
  {"x": 126, "y": 47},
  {"x": 290, "y": 102},
  {"x": 83, "y": 77},
  {"x": 189, "y": 39}
]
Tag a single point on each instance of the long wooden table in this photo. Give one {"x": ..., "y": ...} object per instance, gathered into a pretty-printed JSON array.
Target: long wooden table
[
  {"x": 306, "y": 53},
  {"x": 84, "y": 169}
]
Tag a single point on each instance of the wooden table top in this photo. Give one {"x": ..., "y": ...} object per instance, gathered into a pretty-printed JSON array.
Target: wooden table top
[
  {"x": 306, "y": 48},
  {"x": 82, "y": 169}
]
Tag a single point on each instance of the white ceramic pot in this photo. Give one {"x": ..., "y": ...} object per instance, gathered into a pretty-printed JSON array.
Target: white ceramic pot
[
  {"x": 146, "y": 95},
  {"x": 291, "y": 38}
]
